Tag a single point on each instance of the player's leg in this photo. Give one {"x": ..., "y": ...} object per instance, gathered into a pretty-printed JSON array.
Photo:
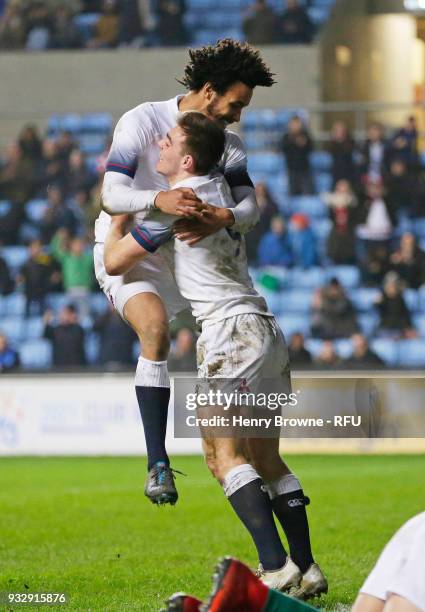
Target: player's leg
[
  {"x": 121, "y": 254},
  {"x": 146, "y": 314},
  {"x": 285, "y": 490},
  {"x": 368, "y": 603},
  {"x": 243, "y": 487}
]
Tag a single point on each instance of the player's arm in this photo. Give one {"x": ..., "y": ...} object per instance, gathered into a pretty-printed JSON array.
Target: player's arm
[{"x": 130, "y": 142}]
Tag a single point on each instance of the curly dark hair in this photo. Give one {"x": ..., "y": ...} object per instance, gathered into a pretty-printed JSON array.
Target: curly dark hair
[{"x": 225, "y": 63}]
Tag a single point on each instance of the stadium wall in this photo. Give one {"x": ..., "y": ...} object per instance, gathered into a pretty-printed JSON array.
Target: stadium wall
[
  {"x": 37, "y": 85},
  {"x": 77, "y": 414}
]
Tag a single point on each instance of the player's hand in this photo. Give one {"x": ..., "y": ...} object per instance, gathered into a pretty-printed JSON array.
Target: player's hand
[
  {"x": 207, "y": 221},
  {"x": 182, "y": 202}
]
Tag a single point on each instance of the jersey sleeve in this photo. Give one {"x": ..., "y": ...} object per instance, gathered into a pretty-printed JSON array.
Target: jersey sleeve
[
  {"x": 131, "y": 138},
  {"x": 234, "y": 165}
]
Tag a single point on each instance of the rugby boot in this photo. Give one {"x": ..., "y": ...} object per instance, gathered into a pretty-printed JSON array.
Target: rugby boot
[
  {"x": 159, "y": 486},
  {"x": 313, "y": 584}
]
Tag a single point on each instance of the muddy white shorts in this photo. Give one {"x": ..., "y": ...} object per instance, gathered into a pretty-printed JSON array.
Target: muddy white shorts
[
  {"x": 246, "y": 347},
  {"x": 151, "y": 275}
]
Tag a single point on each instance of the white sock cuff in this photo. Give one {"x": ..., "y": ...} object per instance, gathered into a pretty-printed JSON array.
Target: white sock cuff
[
  {"x": 284, "y": 484},
  {"x": 151, "y": 373},
  {"x": 238, "y": 477}
]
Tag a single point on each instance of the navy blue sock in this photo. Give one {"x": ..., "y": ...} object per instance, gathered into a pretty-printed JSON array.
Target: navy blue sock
[
  {"x": 290, "y": 510},
  {"x": 253, "y": 507},
  {"x": 153, "y": 406}
]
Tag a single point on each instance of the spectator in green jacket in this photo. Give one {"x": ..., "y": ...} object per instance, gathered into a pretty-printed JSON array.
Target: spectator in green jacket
[{"x": 76, "y": 261}]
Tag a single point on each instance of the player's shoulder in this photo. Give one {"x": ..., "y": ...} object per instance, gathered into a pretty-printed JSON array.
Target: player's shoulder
[
  {"x": 138, "y": 115},
  {"x": 233, "y": 140},
  {"x": 234, "y": 151}
]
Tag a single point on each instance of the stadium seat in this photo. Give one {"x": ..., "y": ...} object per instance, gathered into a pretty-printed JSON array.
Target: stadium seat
[
  {"x": 321, "y": 161},
  {"x": 419, "y": 227},
  {"x": 348, "y": 276},
  {"x": 33, "y": 328},
  {"x": 419, "y": 323},
  {"x": 411, "y": 298},
  {"x": 323, "y": 182},
  {"x": 296, "y": 301},
  {"x": 70, "y": 122},
  {"x": 386, "y": 349},
  {"x": 307, "y": 279},
  {"x": 314, "y": 345},
  {"x": 309, "y": 205},
  {"x": 368, "y": 322},
  {"x": 35, "y": 209},
  {"x": 269, "y": 163},
  {"x": 291, "y": 323},
  {"x": 411, "y": 353},
  {"x": 92, "y": 348},
  {"x": 5, "y": 207},
  {"x": 36, "y": 354},
  {"x": 12, "y": 327},
  {"x": 421, "y": 298},
  {"x": 364, "y": 298},
  {"x": 28, "y": 232},
  {"x": 98, "y": 303},
  {"x": 343, "y": 347},
  {"x": 273, "y": 299},
  {"x": 92, "y": 144},
  {"x": 85, "y": 24},
  {"x": 56, "y": 301},
  {"x": 15, "y": 256},
  {"x": 318, "y": 15},
  {"x": 13, "y": 304},
  {"x": 100, "y": 123}
]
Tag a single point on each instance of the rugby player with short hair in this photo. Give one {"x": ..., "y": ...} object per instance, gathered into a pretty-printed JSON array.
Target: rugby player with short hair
[
  {"x": 239, "y": 339},
  {"x": 220, "y": 80}
]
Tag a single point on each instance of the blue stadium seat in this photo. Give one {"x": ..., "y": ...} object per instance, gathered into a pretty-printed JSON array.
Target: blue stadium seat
[
  {"x": 307, "y": 279},
  {"x": 36, "y": 354},
  {"x": 92, "y": 144},
  {"x": 85, "y": 24},
  {"x": 33, "y": 328},
  {"x": 97, "y": 122},
  {"x": 98, "y": 303},
  {"x": 368, "y": 322},
  {"x": 323, "y": 182},
  {"x": 364, "y": 298},
  {"x": 421, "y": 297},
  {"x": 56, "y": 301},
  {"x": 419, "y": 227},
  {"x": 296, "y": 301},
  {"x": 69, "y": 122},
  {"x": 15, "y": 256},
  {"x": 291, "y": 323},
  {"x": 411, "y": 353},
  {"x": 5, "y": 207},
  {"x": 267, "y": 162},
  {"x": 343, "y": 347},
  {"x": 314, "y": 345},
  {"x": 321, "y": 227},
  {"x": 273, "y": 299},
  {"x": 321, "y": 161},
  {"x": 92, "y": 348},
  {"x": 386, "y": 349},
  {"x": 309, "y": 205},
  {"x": 348, "y": 276},
  {"x": 13, "y": 304},
  {"x": 12, "y": 327},
  {"x": 419, "y": 323},
  {"x": 318, "y": 15},
  {"x": 411, "y": 298},
  {"x": 35, "y": 209}
]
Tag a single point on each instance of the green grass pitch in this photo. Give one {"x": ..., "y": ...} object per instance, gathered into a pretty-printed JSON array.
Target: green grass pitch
[{"x": 83, "y": 526}]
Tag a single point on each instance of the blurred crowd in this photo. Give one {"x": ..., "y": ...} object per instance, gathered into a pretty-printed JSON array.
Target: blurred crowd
[
  {"x": 37, "y": 25},
  {"x": 375, "y": 184}
]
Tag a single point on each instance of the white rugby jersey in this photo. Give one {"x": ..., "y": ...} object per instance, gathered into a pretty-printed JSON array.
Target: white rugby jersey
[
  {"x": 213, "y": 274},
  {"x": 134, "y": 153},
  {"x": 400, "y": 568}
]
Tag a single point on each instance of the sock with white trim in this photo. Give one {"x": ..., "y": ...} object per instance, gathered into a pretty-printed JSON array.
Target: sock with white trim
[
  {"x": 153, "y": 395},
  {"x": 288, "y": 503},
  {"x": 244, "y": 489}
]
